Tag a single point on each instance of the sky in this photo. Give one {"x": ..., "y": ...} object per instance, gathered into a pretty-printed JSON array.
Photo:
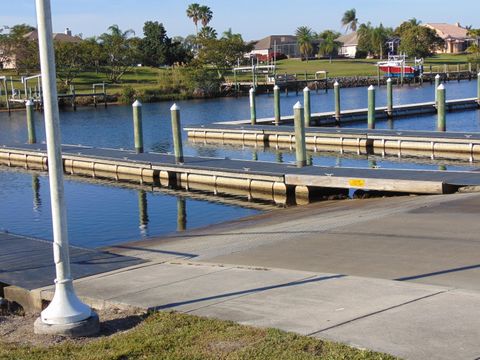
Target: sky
[{"x": 254, "y": 19}]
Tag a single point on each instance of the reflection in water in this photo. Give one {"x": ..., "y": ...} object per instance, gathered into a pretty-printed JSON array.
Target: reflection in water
[
  {"x": 181, "y": 214},
  {"x": 372, "y": 164},
  {"x": 143, "y": 212},
  {"x": 254, "y": 155},
  {"x": 390, "y": 124},
  {"x": 279, "y": 157},
  {"x": 442, "y": 168},
  {"x": 37, "y": 201}
]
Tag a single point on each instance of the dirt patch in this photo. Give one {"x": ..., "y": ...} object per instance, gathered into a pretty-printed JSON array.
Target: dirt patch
[{"x": 16, "y": 328}]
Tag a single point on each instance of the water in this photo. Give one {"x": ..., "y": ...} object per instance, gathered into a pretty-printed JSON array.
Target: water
[{"x": 101, "y": 215}]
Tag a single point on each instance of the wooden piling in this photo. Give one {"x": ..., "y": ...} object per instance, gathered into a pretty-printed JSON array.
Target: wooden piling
[
  {"x": 177, "y": 133},
  {"x": 371, "y": 107},
  {"x": 300, "y": 146},
  {"x": 32, "y": 139},
  {"x": 441, "y": 118}
]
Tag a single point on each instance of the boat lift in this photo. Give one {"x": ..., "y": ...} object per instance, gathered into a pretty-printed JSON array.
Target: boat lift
[
  {"x": 254, "y": 69},
  {"x": 3, "y": 79}
]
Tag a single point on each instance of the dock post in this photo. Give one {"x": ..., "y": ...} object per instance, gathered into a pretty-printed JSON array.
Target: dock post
[
  {"x": 300, "y": 148},
  {"x": 32, "y": 139},
  {"x": 478, "y": 88},
  {"x": 276, "y": 104},
  {"x": 253, "y": 108},
  {"x": 177, "y": 133},
  {"x": 371, "y": 107},
  {"x": 308, "y": 110},
  {"x": 389, "y": 98},
  {"x": 74, "y": 104},
  {"x": 336, "y": 91},
  {"x": 441, "y": 119},
  {"x": 137, "y": 126},
  {"x": 437, "y": 84}
]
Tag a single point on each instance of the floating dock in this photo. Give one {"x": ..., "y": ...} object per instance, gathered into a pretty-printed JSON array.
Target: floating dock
[
  {"x": 348, "y": 116},
  {"x": 277, "y": 182},
  {"x": 432, "y": 144}
]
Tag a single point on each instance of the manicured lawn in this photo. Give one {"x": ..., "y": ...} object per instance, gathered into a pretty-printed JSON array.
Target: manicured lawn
[{"x": 177, "y": 336}]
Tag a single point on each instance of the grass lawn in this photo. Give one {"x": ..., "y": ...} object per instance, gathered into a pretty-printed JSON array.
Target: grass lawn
[{"x": 177, "y": 336}]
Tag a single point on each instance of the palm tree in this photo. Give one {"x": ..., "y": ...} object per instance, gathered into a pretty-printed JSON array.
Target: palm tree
[
  {"x": 193, "y": 12},
  {"x": 229, "y": 35},
  {"x": 207, "y": 32},
  {"x": 205, "y": 15},
  {"x": 305, "y": 37},
  {"x": 328, "y": 44},
  {"x": 349, "y": 20}
]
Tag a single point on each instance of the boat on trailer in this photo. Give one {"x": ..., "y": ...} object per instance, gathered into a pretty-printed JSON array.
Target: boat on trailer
[{"x": 396, "y": 66}]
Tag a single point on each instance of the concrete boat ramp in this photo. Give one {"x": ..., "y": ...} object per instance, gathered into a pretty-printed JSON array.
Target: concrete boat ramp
[
  {"x": 276, "y": 182},
  {"x": 324, "y": 270}
]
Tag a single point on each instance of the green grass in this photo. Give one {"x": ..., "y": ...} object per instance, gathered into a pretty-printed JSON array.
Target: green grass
[{"x": 178, "y": 336}]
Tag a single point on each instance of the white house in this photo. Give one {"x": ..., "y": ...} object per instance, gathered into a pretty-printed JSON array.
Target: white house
[{"x": 349, "y": 45}]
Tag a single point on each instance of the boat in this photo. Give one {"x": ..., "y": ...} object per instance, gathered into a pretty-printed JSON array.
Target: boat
[{"x": 396, "y": 67}]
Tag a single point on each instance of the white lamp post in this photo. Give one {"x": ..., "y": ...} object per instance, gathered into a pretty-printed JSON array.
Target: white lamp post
[{"x": 66, "y": 314}]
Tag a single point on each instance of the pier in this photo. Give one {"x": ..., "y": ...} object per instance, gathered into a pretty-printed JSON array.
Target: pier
[
  {"x": 431, "y": 144},
  {"x": 255, "y": 180},
  {"x": 355, "y": 115}
]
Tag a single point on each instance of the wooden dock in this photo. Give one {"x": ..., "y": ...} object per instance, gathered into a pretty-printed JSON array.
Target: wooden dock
[
  {"x": 277, "y": 182},
  {"x": 431, "y": 144},
  {"x": 28, "y": 262},
  {"x": 348, "y": 116}
]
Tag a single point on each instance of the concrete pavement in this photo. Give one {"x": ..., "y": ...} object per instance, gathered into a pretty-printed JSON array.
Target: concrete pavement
[{"x": 325, "y": 270}]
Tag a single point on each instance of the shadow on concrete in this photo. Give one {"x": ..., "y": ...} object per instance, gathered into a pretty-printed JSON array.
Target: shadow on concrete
[
  {"x": 441, "y": 272},
  {"x": 248, "y": 291}
]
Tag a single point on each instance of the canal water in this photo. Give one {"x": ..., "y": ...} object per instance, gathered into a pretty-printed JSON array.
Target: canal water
[{"x": 101, "y": 215}]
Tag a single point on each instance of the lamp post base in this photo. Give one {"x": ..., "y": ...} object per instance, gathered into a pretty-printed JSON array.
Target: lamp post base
[{"x": 87, "y": 327}]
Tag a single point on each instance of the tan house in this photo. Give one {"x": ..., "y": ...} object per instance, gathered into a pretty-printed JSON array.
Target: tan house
[
  {"x": 8, "y": 61},
  {"x": 454, "y": 35},
  {"x": 283, "y": 44},
  {"x": 349, "y": 45}
]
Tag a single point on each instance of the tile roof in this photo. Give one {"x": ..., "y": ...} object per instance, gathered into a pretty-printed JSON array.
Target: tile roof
[
  {"x": 448, "y": 30},
  {"x": 349, "y": 39}
]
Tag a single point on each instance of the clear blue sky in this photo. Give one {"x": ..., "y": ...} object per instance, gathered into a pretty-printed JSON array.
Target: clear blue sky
[{"x": 253, "y": 19}]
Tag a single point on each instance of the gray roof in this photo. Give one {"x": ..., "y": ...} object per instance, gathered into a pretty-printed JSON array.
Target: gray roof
[
  {"x": 349, "y": 39},
  {"x": 269, "y": 41}
]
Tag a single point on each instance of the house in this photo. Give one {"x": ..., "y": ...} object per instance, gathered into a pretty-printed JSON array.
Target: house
[
  {"x": 8, "y": 60},
  {"x": 454, "y": 35},
  {"x": 349, "y": 45},
  {"x": 282, "y": 44}
]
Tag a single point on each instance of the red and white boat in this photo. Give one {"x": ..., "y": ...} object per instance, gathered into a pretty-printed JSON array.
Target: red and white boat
[{"x": 396, "y": 67}]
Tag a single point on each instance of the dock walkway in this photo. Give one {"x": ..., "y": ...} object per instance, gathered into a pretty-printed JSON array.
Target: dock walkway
[
  {"x": 355, "y": 115},
  {"x": 447, "y": 145},
  {"x": 28, "y": 262},
  {"x": 253, "y": 179}
]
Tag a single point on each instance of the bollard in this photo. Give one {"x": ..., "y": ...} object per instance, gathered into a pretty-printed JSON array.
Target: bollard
[
  {"x": 336, "y": 91},
  {"x": 276, "y": 104},
  {"x": 253, "y": 108},
  {"x": 308, "y": 110},
  {"x": 441, "y": 119},
  {"x": 300, "y": 149},
  {"x": 389, "y": 98},
  {"x": 437, "y": 84},
  {"x": 32, "y": 139},
  {"x": 137, "y": 126},
  {"x": 371, "y": 107},
  {"x": 478, "y": 88},
  {"x": 177, "y": 134}
]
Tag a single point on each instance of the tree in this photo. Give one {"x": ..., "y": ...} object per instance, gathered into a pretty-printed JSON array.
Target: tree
[
  {"x": 155, "y": 45},
  {"x": 349, "y": 20},
  {"x": 305, "y": 37},
  {"x": 416, "y": 40},
  {"x": 373, "y": 40},
  {"x": 71, "y": 58},
  {"x": 18, "y": 50},
  {"x": 328, "y": 44},
  {"x": 207, "y": 32},
  {"x": 205, "y": 15},
  {"x": 474, "y": 48},
  {"x": 194, "y": 12},
  {"x": 221, "y": 54},
  {"x": 121, "y": 51}
]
